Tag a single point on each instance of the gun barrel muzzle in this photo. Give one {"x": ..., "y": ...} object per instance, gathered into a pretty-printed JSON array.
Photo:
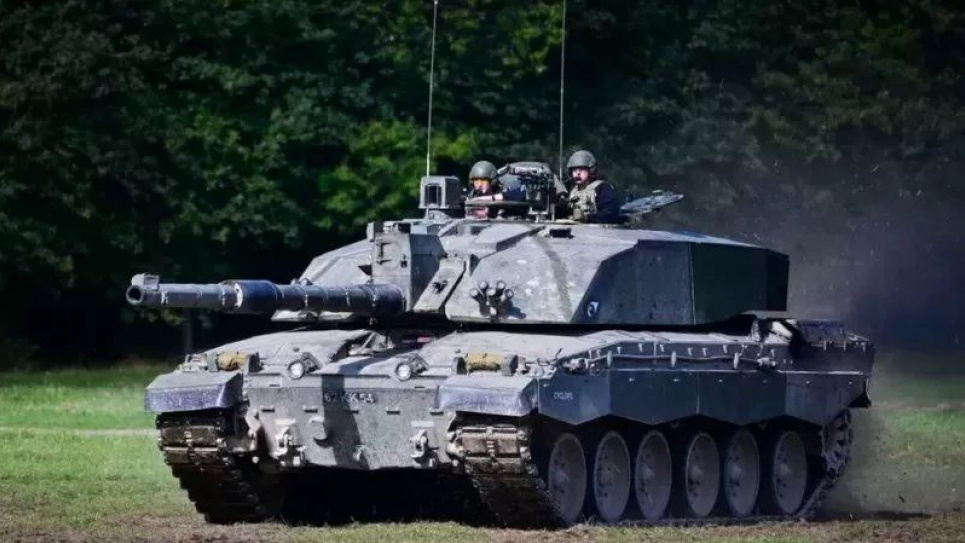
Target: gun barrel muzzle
[{"x": 221, "y": 296}]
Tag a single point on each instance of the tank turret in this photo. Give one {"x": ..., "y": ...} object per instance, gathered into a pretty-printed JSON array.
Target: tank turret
[{"x": 557, "y": 273}]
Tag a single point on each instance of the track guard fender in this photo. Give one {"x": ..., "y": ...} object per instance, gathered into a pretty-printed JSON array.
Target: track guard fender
[
  {"x": 193, "y": 391},
  {"x": 488, "y": 395}
]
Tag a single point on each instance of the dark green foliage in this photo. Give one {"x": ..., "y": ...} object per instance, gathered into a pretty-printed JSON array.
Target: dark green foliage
[{"x": 194, "y": 137}]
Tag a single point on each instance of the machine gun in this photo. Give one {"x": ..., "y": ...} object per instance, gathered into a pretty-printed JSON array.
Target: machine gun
[{"x": 257, "y": 296}]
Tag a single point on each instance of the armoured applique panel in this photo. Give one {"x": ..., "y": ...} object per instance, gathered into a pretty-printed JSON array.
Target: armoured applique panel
[
  {"x": 729, "y": 280},
  {"x": 650, "y": 284},
  {"x": 441, "y": 286},
  {"x": 655, "y": 396},
  {"x": 548, "y": 277},
  {"x": 575, "y": 398},
  {"x": 743, "y": 397},
  {"x": 817, "y": 397}
]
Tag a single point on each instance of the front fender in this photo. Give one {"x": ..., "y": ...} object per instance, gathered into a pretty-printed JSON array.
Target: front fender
[
  {"x": 193, "y": 391},
  {"x": 488, "y": 395}
]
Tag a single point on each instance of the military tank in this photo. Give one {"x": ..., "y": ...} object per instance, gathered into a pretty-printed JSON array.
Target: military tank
[{"x": 568, "y": 371}]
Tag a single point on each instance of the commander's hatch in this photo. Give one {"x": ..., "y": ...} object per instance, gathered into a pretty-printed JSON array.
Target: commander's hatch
[{"x": 441, "y": 285}]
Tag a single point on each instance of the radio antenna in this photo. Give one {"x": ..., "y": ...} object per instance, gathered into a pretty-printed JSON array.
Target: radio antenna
[
  {"x": 432, "y": 71},
  {"x": 562, "y": 84}
]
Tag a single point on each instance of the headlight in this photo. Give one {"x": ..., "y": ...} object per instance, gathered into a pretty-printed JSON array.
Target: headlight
[
  {"x": 410, "y": 368},
  {"x": 403, "y": 371},
  {"x": 297, "y": 369},
  {"x": 306, "y": 363}
]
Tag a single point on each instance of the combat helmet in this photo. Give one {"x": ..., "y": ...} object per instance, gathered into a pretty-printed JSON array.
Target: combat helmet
[
  {"x": 483, "y": 170},
  {"x": 582, "y": 159}
]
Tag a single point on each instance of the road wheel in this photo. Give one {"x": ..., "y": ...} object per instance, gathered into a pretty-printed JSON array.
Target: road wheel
[
  {"x": 785, "y": 474},
  {"x": 698, "y": 479},
  {"x": 653, "y": 475},
  {"x": 566, "y": 477},
  {"x": 611, "y": 477},
  {"x": 741, "y": 473}
]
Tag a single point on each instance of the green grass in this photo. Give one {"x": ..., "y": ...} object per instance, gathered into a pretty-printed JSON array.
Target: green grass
[
  {"x": 910, "y": 447},
  {"x": 906, "y": 461},
  {"x": 77, "y": 399},
  {"x": 915, "y": 380},
  {"x": 80, "y": 481},
  {"x": 64, "y": 474},
  {"x": 896, "y": 390}
]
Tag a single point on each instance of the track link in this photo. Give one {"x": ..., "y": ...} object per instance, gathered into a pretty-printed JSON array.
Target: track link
[
  {"x": 498, "y": 456},
  {"x": 499, "y": 460},
  {"x": 223, "y": 487}
]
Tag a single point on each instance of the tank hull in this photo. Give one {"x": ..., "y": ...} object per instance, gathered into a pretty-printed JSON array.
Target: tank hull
[{"x": 489, "y": 405}]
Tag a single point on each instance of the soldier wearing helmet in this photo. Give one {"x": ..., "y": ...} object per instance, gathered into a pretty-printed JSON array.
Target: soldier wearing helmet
[
  {"x": 592, "y": 200},
  {"x": 482, "y": 179},
  {"x": 485, "y": 187}
]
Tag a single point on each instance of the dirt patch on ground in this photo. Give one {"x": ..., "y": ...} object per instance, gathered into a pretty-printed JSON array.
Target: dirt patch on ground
[
  {"x": 145, "y": 530},
  {"x": 940, "y": 529}
]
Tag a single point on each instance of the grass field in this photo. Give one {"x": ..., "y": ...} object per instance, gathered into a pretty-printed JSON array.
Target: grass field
[{"x": 78, "y": 462}]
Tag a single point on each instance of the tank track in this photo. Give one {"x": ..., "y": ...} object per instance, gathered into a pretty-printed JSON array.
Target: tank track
[
  {"x": 225, "y": 488},
  {"x": 499, "y": 459}
]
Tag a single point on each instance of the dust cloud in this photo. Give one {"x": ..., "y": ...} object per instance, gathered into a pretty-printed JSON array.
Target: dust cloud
[
  {"x": 889, "y": 261},
  {"x": 886, "y": 259},
  {"x": 888, "y": 476},
  {"x": 896, "y": 275}
]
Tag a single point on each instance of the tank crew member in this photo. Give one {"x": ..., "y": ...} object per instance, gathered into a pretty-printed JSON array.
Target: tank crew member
[
  {"x": 591, "y": 200},
  {"x": 482, "y": 184},
  {"x": 482, "y": 179},
  {"x": 485, "y": 181},
  {"x": 486, "y": 187}
]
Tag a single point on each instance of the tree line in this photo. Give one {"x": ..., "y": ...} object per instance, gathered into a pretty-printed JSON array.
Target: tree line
[{"x": 205, "y": 139}]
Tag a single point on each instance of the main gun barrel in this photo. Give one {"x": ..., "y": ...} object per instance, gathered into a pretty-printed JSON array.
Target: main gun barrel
[{"x": 257, "y": 296}]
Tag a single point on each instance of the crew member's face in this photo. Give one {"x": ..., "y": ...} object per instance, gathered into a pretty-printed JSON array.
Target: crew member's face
[
  {"x": 580, "y": 175},
  {"x": 481, "y": 185}
]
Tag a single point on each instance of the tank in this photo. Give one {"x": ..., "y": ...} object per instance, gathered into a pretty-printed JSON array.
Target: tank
[{"x": 530, "y": 370}]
